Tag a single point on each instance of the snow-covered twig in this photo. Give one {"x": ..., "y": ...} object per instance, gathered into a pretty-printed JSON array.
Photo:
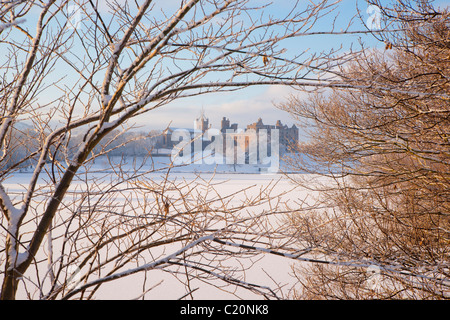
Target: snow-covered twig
[
  {"x": 148, "y": 266},
  {"x": 5, "y": 26},
  {"x": 354, "y": 264}
]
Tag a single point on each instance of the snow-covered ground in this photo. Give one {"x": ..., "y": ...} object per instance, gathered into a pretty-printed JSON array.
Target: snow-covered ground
[
  {"x": 161, "y": 162},
  {"x": 267, "y": 270}
]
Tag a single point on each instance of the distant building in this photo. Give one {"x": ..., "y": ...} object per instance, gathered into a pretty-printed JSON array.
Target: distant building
[
  {"x": 288, "y": 136},
  {"x": 202, "y": 123},
  {"x": 164, "y": 141},
  {"x": 241, "y": 139},
  {"x": 258, "y": 125},
  {"x": 225, "y": 125}
]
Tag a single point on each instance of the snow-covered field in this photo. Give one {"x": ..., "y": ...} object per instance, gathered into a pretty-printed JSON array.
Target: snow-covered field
[{"x": 266, "y": 271}]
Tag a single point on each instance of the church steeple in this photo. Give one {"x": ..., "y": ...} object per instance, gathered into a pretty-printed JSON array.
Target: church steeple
[{"x": 202, "y": 123}]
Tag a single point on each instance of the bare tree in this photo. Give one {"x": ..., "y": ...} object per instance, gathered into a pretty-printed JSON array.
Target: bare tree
[
  {"x": 92, "y": 69},
  {"x": 381, "y": 225}
]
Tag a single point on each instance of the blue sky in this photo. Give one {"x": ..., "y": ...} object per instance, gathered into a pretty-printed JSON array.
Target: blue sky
[{"x": 247, "y": 105}]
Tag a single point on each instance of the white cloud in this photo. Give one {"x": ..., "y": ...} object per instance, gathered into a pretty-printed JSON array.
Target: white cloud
[{"x": 242, "y": 107}]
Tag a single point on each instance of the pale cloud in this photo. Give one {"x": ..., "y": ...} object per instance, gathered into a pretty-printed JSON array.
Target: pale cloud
[
  {"x": 242, "y": 107},
  {"x": 105, "y": 5}
]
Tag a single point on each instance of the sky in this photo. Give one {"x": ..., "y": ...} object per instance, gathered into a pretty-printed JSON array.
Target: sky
[{"x": 247, "y": 105}]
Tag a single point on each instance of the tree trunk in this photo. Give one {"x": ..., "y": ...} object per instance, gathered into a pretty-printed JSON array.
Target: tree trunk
[{"x": 9, "y": 287}]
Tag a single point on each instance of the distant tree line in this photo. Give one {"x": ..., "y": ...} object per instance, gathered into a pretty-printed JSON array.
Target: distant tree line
[{"x": 23, "y": 145}]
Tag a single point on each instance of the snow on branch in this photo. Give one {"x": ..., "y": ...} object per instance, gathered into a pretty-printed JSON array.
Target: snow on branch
[
  {"x": 8, "y": 25},
  {"x": 147, "y": 266},
  {"x": 355, "y": 264},
  {"x": 12, "y": 213}
]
